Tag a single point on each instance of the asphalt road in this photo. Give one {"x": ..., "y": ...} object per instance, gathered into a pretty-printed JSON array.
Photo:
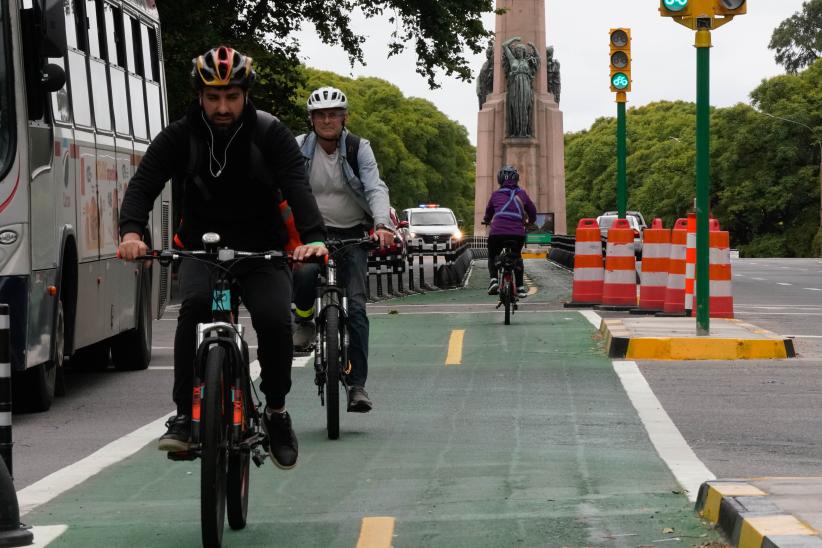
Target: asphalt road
[{"x": 743, "y": 419}]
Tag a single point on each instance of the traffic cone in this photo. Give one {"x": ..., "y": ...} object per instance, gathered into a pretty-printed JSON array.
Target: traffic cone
[
  {"x": 674, "y": 304},
  {"x": 619, "y": 288},
  {"x": 588, "y": 270},
  {"x": 654, "y": 271},
  {"x": 720, "y": 277}
]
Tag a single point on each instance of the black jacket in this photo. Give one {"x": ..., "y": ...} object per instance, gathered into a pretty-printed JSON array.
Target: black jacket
[{"x": 241, "y": 209}]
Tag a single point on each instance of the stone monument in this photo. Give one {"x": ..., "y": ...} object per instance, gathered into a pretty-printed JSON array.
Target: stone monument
[{"x": 520, "y": 122}]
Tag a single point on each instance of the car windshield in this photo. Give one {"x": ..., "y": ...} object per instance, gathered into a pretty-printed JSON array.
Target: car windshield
[
  {"x": 432, "y": 218},
  {"x": 6, "y": 93},
  {"x": 606, "y": 222}
]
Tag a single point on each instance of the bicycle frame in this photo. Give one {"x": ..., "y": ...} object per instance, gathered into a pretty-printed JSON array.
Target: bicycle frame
[{"x": 325, "y": 304}]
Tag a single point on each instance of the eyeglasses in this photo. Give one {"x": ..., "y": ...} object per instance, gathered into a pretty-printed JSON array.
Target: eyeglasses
[{"x": 332, "y": 115}]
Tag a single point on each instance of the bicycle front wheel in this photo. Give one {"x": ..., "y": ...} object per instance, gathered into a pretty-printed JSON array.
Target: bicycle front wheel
[
  {"x": 239, "y": 462},
  {"x": 214, "y": 453},
  {"x": 332, "y": 343}
]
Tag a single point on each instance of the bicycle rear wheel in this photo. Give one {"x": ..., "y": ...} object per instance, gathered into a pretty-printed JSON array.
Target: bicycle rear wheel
[
  {"x": 239, "y": 466},
  {"x": 213, "y": 452},
  {"x": 332, "y": 346},
  {"x": 505, "y": 292}
]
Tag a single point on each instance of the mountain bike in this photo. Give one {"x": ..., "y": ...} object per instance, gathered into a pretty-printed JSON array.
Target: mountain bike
[
  {"x": 507, "y": 261},
  {"x": 331, "y": 365},
  {"x": 226, "y": 417}
]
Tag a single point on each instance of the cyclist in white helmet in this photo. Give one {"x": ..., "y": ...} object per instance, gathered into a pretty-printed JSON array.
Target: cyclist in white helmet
[{"x": 353, "y": 200}]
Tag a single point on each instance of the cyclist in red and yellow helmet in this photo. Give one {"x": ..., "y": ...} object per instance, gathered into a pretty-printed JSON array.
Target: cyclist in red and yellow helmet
[{"x": 231, "y": 165}]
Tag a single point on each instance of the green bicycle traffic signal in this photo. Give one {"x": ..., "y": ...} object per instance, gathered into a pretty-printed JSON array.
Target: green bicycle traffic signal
[
  {"x": 620, "y": 81},
  {"x": 675, "y": 6}
]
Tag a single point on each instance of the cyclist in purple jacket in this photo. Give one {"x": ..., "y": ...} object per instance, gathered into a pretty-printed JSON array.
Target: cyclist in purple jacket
[{"x": 508, "y": 211}]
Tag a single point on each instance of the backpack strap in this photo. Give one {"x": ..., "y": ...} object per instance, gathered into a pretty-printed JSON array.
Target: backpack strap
[
  {"x": 512, "y": 199},
  {"x": 192, "y": 174},
  {"x": 352, "y": 149}
]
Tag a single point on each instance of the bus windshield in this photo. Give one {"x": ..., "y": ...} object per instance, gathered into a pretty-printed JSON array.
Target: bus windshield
[{"x": 6, "y": 92}]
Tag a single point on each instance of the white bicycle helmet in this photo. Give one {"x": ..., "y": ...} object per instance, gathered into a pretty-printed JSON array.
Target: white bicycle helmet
[{"x": 327, "y": 97}]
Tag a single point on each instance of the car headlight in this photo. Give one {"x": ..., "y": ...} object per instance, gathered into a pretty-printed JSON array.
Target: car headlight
[
  {"x": 412, "y": 234},
  {"x": 457, "y": 235}
]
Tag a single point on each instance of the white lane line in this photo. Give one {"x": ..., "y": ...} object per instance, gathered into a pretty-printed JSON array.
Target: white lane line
[
  {"x": 783, "y": 283},
  {"x": 172, "y": 348},
  {"x": 57, "y": 483},
  {"x": 161, "y": 367},
  {"x": 686, "y": 467},
  {"x": 759, "y": 279},
  {"x": 812, "y": 288},
  {"x": 46, "y": 534},
  {"x": 592, "y": 317}
]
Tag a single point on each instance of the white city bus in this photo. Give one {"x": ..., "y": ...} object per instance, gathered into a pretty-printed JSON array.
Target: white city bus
[{"x": 82, "y": 92}]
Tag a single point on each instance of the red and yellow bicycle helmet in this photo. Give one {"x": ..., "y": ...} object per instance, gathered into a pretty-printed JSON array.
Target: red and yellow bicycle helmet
[{"x": 222, "y": 66}]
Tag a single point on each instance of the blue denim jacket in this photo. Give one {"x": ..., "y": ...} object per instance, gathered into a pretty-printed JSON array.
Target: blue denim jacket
[{"x": 369, "y": 191}]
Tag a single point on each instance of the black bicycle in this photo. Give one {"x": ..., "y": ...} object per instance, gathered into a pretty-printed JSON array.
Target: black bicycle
[
  {"x": 226, "y": 419},
  {"x": 331, "y": 365},
  {"x": 508, "y": 261}
]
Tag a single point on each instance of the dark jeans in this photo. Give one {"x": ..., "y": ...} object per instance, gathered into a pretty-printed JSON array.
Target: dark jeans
[
  {"x": 266, "y": 293},
  {"x": 495, "y": 245},
  {"x": 352, "y": 272}
]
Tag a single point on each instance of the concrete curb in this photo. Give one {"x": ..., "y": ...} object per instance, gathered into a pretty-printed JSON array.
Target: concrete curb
[
  {"x": 622, "y": 343},
  {"x": 751, "y": 518}
]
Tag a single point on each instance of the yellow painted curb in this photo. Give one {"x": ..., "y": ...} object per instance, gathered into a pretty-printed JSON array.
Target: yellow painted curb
[
  {"x": 717, "y": 491},
  {"x": 534, "y": 254},
  {"x": 687, "y": 348},
  {"x": 755, "y": 528}
]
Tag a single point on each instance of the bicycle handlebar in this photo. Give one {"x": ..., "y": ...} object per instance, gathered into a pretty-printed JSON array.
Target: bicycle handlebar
[{"x": 222, "y": 255}]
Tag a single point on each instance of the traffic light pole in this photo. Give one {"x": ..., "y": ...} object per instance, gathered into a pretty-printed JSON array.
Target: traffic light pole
[
  {"x": 703, "y": 179},
  {"x": 622, "y": 179}
]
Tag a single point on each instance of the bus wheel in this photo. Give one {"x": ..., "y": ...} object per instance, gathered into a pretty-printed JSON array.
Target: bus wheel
[
  {"x": 131, "y": 350},
  {"x": 39, "y": 383}
]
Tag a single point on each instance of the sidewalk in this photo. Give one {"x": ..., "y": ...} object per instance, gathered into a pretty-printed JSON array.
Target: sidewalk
[
  {"x": 765, "y": 512},
  {"x": 652, "y": 338}
]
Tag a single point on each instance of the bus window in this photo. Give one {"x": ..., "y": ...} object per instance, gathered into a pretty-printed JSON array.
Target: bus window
[
  {"x": 155, "y": 115},
  {"x": 154, "y": 48},
  {"x": 138, "y": 107},
  {"x": 112, "y": 51},
  {"x": 99, "y": 95},
  {"x": 78, "y": 80},
  {"x": 7, "y": 132},
  {"x": 93, "y": 32},
  {"x": 148, "y": 71},
  {"x": 71, "y": 24},
  {"x": 128, "y": 43},
  {"x": 61, "y": 109},
  {"x": 119, "y": 99}
]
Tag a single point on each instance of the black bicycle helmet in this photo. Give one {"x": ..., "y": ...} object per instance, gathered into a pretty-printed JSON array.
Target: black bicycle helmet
[
  {"x": 507, "y": 173},
  {"x": 222, "y": 66}
]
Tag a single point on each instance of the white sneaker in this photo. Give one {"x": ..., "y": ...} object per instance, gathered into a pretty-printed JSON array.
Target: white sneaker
[
  {"x": 522, "y": 293},
  {"x": 493, "y": 286}
]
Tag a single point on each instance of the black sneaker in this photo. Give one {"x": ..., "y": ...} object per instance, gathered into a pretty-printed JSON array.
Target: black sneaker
[
  {"x": 304, "y": 334},
  {"x": 282, "y": 441},
  {"x": 178, "y": 436},
  {"x": 358, "y": 401}
]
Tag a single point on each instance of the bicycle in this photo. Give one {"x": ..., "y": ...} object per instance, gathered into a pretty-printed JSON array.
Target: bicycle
[
  {"x": 331, "y": 365},
  {"x": 507, "y": 261},
  {"x": 226, "y": 418}
]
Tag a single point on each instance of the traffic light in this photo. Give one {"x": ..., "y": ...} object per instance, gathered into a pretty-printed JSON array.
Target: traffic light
[
  {"x": 730, "y": 7},
  {"x": 620, "y": 60},
  {"x": 674, "y": 8}
]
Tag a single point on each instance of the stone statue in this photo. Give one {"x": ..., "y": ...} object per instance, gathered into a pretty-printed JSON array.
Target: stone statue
[
  {"x": 552, "y": 68},
  {"x": 485, "y": 78},
  {"x": 520, "y": 63}
]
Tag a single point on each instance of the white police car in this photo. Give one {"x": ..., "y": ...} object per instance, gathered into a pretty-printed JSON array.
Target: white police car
[{"x": 432, "y": 224}]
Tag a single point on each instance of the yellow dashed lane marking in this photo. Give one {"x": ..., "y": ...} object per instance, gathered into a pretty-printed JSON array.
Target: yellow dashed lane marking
[
  {"x": 455, "y": 347},
  {"x": 376, "y": 532}
]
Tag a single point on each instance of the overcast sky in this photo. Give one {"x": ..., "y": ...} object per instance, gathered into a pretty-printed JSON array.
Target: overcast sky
[{"x": 663, "y": 58}]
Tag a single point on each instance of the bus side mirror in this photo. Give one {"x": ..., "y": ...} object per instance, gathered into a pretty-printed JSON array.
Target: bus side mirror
[
  {"x": 54, "y": 29},
  {"x": 53, "y": 78}
]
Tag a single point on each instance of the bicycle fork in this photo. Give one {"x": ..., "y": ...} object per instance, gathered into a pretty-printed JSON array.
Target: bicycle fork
[{"x": 320, "y": 353}]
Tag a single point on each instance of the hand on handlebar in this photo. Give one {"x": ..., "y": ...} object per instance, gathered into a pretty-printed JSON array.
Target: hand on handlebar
[
  {"x": 385, "y": 238},
  {"x": 311, "y": 250},
  {"x": 132, "y": 247}
]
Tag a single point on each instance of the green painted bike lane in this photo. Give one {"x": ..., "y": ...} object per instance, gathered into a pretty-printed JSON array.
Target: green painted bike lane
[{"x": 530, "y": 440}]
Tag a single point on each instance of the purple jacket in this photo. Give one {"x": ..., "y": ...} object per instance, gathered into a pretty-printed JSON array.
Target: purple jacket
[{"x": 509, "y": 220}]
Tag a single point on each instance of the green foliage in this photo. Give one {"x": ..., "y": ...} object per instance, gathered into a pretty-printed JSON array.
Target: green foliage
[
  {"x": 440, "y": 32},
  {"x": 765, "y": 181},
  {"x": 423, "y": 156},
  {"x": 798, "y": 39}
]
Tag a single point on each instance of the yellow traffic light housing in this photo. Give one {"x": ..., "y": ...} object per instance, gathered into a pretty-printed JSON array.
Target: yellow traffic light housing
[
  {"x": 620, "y": 60},
  {"x": 730, "y": 7},
  {"x": 702, "y": 14}
]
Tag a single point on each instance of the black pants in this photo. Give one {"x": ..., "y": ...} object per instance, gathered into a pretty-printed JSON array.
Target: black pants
[
  {"x": 495, "y": 245},
  {"x": 352, "y": 274},
  {"x": 266, "y": 293}
]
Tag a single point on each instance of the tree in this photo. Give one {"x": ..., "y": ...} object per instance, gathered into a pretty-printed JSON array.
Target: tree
[
  {"x": 439, "y": 31},
  {"x": 798, "y": 39}
]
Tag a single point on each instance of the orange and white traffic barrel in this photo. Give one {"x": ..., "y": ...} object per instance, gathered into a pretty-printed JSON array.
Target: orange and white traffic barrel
[
  {"x": 619, "y": 288},
  {"x": 674, "y": 304},
  {"x": 720, "y": 277},
  {"x": 588, "y": 267},
  {"x": 656, "y": 250},
  {"x": 690, "y": 264}
]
